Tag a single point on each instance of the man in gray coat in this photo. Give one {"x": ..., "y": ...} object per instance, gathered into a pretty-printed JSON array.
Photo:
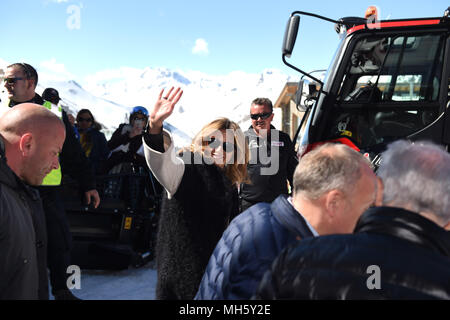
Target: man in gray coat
[{"x": 31, "y": 138}]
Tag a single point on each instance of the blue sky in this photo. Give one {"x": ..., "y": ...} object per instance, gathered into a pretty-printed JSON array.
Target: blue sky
[{"x": 82, "y": 37}]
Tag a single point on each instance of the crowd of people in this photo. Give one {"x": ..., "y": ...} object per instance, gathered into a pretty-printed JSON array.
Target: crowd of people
[
  {"x": 241, "y": 216},
  {"x": 85, "y": 154}
]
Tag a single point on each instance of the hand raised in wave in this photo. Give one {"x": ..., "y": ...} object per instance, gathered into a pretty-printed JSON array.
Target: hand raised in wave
[{"x": 163, "y": 109}]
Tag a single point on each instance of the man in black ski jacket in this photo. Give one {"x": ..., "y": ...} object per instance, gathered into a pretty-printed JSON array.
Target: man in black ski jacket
[{"x": 272, "y": 158}]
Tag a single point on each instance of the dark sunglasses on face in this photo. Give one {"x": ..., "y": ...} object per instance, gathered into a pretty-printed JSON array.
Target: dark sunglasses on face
[
  {"x": 12, "y": 80},
  {"x": 26, "y": 71},
  {"x": 226, "y": 146},
  {"x": 263, "y": 116},
  {"x": 84, "y": 120}
]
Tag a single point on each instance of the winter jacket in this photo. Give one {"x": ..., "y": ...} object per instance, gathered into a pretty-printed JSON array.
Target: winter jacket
[
  {"x": 267, "y": 186},
  {"x": 394, "y": 254},
  {"x": 125, "y": 149},
  {"x": 72, "y": 159},
  {"x": 23, "y": 239},
  {"x": 99, "y": 151},
  {"x": 192, "y": 220},
  {"x": 37, "y": 99},
  {"x": 248, "y": 247}
]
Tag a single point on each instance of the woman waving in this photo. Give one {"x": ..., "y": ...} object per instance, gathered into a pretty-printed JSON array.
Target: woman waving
[{"x": 201, "y": 197}]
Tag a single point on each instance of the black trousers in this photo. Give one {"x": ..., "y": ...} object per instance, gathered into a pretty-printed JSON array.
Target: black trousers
[{"x": 59, "y": 236}]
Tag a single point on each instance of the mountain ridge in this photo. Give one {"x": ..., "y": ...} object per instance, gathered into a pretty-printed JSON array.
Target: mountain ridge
[{"x": 111, "y": 94}]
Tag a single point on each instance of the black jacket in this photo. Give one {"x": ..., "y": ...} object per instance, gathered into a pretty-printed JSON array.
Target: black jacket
[
  {"x": 267, "y": 187},
  {"x": 411, "y": 252},
  {"x": 23, "y": 240},
  {"x": 190, "y": 225},
  {"x": 120, "y": 137},
  {"x": 248, "y": 247},
  {"x": 100, "y": 151},
  {"x": 72, "y": 159},
  {"x": 37, "y": 99}
]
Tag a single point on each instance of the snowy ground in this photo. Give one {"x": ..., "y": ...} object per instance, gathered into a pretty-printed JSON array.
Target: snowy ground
[{"x": 131, "y": 284}]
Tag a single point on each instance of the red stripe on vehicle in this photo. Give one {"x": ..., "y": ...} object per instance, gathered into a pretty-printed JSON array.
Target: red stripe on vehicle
[{"x": 392, "y": 24}]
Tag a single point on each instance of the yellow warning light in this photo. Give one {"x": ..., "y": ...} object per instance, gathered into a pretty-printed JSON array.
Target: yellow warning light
[
  {"x": 371, "y": 11},
  {"x": 346, "y": 133},
  {"x": 128, "y": 221}
]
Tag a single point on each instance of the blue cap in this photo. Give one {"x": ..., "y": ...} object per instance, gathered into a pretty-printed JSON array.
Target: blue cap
[{"x": 141, "y": 110}]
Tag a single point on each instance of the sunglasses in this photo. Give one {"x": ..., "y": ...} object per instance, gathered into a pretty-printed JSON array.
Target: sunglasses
[
  {"x": 12, "y": 80},
  {"x": 84, "y": 120},
  {"x": 226, "y": 146},
  {"x": 263, "y": 116}
]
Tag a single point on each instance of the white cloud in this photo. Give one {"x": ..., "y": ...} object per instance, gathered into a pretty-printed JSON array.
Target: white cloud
[
  {"x": 52, "y": 65},
  {"x": 52, "y": 70},
  {"x": 49, "y": 2},
  {"x": 201, "y": 47},
  {"x": 3, "y": 64}
]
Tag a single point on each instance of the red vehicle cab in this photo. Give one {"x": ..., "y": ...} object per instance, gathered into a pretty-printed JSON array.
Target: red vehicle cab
[{"x": 388, "y": 80}]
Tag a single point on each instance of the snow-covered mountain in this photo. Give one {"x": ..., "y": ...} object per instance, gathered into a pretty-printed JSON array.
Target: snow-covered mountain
[
  {"x": 206, "y": 97},
  {"x": 111, "y": 94}
]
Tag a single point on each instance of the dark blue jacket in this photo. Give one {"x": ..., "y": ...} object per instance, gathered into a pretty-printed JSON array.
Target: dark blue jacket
[
  {"x": 100, "y": 151},
  {"x": 393, "y": 254},
  {"x": 248, "y": 247}
]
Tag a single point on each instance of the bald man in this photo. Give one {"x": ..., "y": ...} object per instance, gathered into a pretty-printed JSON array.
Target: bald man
[
  {"x": 20, "y": 82},
  {"x": 31, "y": 138}
]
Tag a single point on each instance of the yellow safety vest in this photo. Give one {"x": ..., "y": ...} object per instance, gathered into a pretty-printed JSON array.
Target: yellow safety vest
[{"x": 55, "y": 176}]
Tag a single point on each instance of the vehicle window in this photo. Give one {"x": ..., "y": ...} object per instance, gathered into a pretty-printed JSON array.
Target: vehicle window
[
  {"x": 388, "y": 85},
  {"x": 396, "y": 68},
  {"x": 407, "y": 87}
]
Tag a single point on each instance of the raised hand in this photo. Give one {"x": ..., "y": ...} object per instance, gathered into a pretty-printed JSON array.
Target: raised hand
[{"x": 163, "y": 109}]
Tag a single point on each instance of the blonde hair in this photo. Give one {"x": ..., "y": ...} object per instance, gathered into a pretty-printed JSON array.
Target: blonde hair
[{"x": 237, "y": 170}]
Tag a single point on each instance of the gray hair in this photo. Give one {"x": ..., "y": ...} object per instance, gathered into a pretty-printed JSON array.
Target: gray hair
[
  {"x": 329, "y": 167},
  {"x": 418, "y": 175}
]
